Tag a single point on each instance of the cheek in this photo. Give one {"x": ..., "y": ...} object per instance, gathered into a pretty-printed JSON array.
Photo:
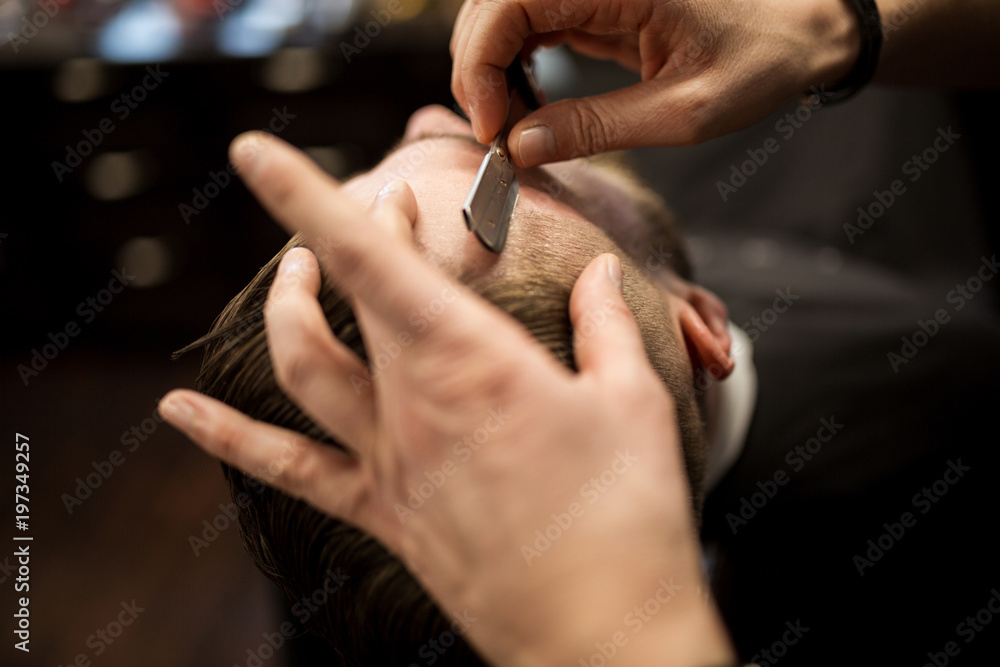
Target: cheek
[{"x": 673, "y": 302}]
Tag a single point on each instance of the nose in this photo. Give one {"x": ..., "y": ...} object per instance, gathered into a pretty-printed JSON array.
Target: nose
[{"x": 435, "y": 119}]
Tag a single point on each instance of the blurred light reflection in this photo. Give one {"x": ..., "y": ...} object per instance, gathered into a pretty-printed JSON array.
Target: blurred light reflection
[{"x": 143, "y": 31}]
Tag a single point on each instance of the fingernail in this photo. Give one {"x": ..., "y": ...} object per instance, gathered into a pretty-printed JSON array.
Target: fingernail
[
  {"x": 388, "y": 190},
  {"x": 537, "y": 145},
  {"x": 615, "y": 271},
  {"x": 291, "y": 263},
  {"x": 177, "y": 411}
]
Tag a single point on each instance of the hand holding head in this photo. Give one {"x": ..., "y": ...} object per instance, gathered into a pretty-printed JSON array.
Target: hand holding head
[{"x": 457, "y": 369}]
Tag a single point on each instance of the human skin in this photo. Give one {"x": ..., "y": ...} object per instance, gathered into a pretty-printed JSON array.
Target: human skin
[
  {"x": 708, "y": 67},
  {"x": 574, "y": 204},
  {"x": 563, "y": 428}
]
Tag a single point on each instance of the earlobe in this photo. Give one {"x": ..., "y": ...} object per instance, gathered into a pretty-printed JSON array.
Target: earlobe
[{"x": 713, "y": 313}]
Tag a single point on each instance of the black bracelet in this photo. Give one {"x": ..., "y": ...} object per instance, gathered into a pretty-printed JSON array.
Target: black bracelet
[{"x": 864, "y": 67}]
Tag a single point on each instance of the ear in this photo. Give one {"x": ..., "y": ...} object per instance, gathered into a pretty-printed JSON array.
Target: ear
[{"x": 704, "y": 323}]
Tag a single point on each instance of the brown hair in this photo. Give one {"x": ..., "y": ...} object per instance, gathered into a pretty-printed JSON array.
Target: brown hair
[{"x": 381, "y": 615}]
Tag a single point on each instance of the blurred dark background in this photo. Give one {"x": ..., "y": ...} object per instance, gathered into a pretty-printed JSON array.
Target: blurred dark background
[
  {"x": 126, "y": 536},
  {"x": 150, "y": 200}
]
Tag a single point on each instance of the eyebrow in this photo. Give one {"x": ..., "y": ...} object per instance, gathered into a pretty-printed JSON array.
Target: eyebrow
[{"x": 426, "y": 136}]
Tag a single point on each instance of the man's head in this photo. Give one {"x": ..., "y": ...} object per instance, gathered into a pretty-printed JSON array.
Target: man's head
[{"x": 566, "y": 215}]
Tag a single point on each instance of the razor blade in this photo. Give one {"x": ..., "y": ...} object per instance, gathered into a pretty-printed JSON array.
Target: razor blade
[{"x": 490, "y": 204}]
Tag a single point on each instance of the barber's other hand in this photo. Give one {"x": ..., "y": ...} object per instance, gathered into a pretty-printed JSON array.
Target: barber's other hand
[
  {"x": 708, "y": 67},
  {"x": 497, "y": 436}
]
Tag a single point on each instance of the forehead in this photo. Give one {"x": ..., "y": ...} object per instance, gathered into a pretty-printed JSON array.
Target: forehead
[
  {"x": 566, "y": 215},
  {"x": 570, "y": 207}
]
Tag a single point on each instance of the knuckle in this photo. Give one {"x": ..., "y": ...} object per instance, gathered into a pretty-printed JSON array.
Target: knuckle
[
  {"x": 481, "y": 83},
  {"x": 284, "y": 300},
  {"x": 326, "y": 246},
  {"x": 227, "y": 436},
  {"x": 593, "y": 132},
  {"x": 296, "y": 366},
  {"x": 302, "y": 474},
  {"x": 692, "y": 121},
  {"x": 352, "y": 260},
  {"x": 617, "y": 308}
]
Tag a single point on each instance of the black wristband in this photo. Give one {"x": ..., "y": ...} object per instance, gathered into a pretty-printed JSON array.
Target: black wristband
[{"x": 864, "y": 67}]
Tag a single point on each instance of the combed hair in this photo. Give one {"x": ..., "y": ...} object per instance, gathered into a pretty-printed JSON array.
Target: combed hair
[{"x": 380, "y": 615}]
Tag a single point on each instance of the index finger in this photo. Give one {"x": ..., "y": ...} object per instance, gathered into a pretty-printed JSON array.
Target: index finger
[
  {"x": 494, "y": 36},
  {"x": 367, "y": 261}
]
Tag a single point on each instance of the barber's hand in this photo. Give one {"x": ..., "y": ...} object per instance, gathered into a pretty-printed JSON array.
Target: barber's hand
[
  {"x": 472, "y": 437},
  {"x": 708, "y": 67}
]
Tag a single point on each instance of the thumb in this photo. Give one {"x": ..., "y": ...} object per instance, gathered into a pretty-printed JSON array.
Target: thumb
[
  {"x": 395, "y": 208},
  {"x": 606, "y": 338},
  {"x": 651, "y": 113}
]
